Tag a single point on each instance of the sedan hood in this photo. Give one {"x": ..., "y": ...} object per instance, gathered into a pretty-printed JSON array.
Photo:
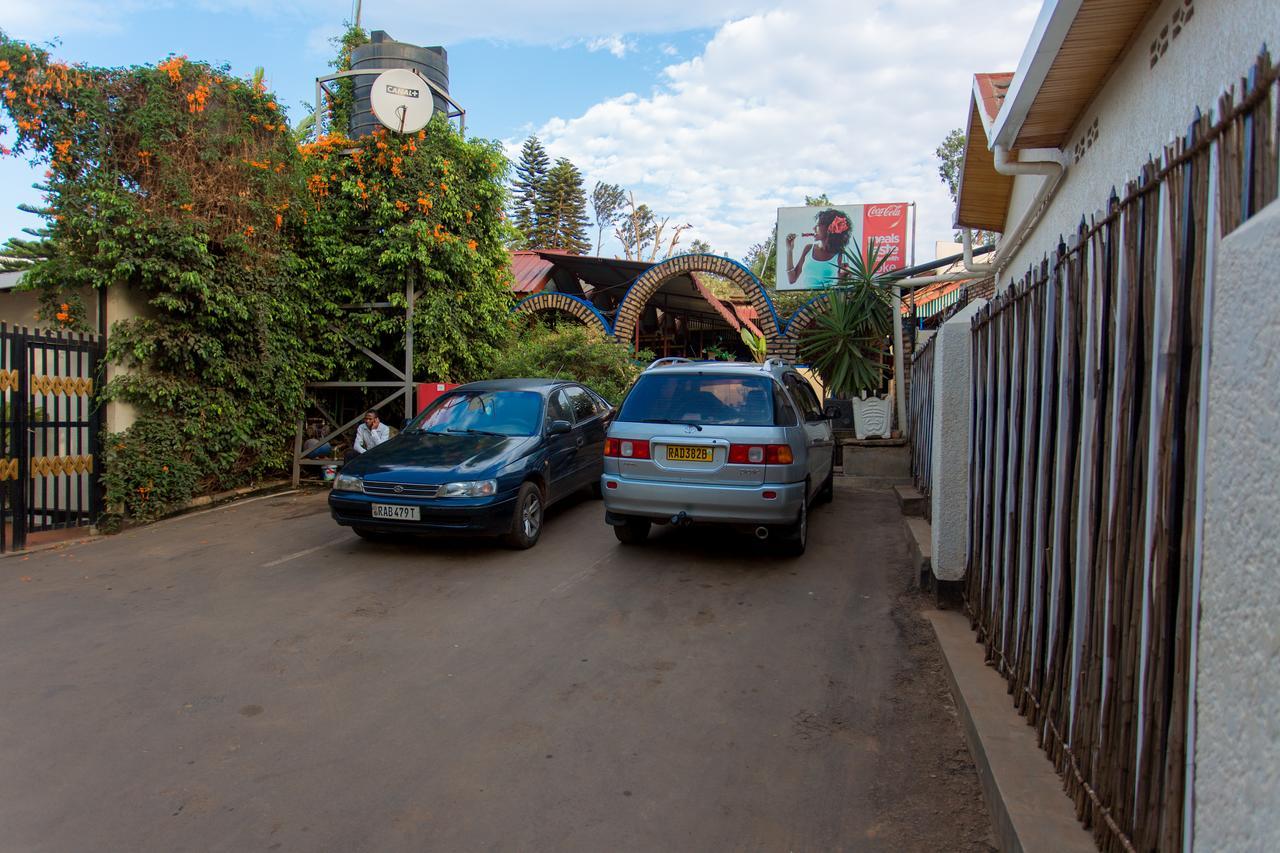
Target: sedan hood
[{"x": 428, "y": 457}]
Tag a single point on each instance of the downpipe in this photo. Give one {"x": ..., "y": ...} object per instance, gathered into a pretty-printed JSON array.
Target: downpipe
[
  {"x": 1053, "y": 171},
  {"x": 762, "y": 533}
]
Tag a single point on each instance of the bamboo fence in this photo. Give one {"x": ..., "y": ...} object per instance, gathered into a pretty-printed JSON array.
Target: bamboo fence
[
  {"x": 1082, "y": 547},
  {"x": 920, "y": 417}
]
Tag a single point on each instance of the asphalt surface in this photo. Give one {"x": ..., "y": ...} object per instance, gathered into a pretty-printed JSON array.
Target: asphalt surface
[{"x": 256, "y": 678}]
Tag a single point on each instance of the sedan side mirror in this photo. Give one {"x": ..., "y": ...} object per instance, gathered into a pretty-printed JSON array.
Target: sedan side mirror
[{"x": 559, "y": 428}]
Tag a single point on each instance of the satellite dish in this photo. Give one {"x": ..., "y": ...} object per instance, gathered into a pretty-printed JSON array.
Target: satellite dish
[{"x": 402, "y": 100}]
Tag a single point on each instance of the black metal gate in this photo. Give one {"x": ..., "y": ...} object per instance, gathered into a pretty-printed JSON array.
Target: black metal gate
[{"x": 51, "y": 425}]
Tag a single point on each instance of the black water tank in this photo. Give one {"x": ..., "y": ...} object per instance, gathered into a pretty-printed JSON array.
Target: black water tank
[{"x": 383, "y": 52}]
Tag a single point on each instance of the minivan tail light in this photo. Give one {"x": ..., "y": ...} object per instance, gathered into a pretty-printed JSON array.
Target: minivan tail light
[
  {"x": 626, "y": 448},
  {"x": 755, "y": 454}
]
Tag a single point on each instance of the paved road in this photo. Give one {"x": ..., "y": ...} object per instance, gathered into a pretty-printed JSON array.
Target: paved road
[{"x": 256, "y": 678}]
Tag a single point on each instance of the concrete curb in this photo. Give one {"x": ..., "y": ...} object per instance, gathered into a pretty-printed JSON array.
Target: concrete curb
[{"x": 1028, "y": 806}]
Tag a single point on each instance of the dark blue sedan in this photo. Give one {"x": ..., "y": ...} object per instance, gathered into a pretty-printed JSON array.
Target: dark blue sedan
[{"x": 486, "y": 459}]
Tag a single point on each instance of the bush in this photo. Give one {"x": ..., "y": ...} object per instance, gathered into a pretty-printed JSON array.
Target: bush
[
  {"x": 147, "y": 470},
  {"x": 570, "y": 351}
]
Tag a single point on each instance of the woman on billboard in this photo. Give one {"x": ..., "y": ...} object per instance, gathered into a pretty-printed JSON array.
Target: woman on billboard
[{"x": 820, "y": 263}]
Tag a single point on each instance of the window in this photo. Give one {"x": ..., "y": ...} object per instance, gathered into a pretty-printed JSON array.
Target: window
[
  {"x": 584, "y": 406},
  {"x": 703, "y": 399},
  {"x": 558, "y": 408},
  {"x": 786, "y": 415},
  {"x": 802, "y": 393},
  {"x": 500, "y": 412}
]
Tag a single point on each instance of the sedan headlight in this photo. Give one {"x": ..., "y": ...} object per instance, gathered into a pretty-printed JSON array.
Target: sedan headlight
[
  {"x": 472, "y": 489},
  {"x": 348, "y": 483}
]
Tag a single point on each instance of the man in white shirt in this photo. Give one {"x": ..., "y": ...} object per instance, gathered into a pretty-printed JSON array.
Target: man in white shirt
[{"x": 370, "y": 434}]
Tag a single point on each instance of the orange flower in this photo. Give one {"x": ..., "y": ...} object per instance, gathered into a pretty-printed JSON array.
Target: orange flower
[
  {"x": 65, "y": 306},
  {"x": 4, "y": 66},
  {"x": 444, "y": 188},
  {"x": 401, "y": 206},
  {"x": 187, "y": 206},
  {"x": 173, "y": 67},
  {"x": 271, "y": 105},
  {"x": 165, "y": 469},
  {"x": 248, "y": 232},
  {"x": 279, "y": 221},
  {"x": 10, "y": 94},
  {"x": 471, "y": 244},
  {"x": 63, "y": 316}
]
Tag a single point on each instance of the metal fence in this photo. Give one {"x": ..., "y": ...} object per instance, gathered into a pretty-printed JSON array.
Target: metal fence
[
  {"x": 920, "y": 417},
  {"x": 50, "y": 426},
  {"x": 1085, "y": 460}
]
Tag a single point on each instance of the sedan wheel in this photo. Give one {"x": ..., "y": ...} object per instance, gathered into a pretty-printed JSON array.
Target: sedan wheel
[{"x": 526, "y": 525}]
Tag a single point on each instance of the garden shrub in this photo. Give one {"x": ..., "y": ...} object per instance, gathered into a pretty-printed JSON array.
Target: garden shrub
[{"x": 571, "y": 351}]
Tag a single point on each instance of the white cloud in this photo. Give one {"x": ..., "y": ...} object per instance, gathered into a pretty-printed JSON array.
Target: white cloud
[
  {"x": 615, "y": 44},
  {"x": 833, "y": 98}
]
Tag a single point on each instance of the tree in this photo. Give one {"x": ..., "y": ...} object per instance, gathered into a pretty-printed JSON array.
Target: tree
[
  {"x": 641, "y": 233},
  {"x": 950, "y": 156},
  {"x": 700, "y": 247},
  {"x": 606, "y": 202},
  {"x": 17, "y": 254},
  {"x": 847, "y": 340},
  {"x": 563, "y": 209},
  {"x": 526, "y": 191}
]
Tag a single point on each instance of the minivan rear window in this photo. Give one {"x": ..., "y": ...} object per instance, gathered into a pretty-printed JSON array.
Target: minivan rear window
[{"x": 705, "y": 400}]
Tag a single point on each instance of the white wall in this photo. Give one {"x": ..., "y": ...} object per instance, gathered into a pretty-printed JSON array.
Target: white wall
[
  {"x": 952, "y": 396},
  {"x": 1140, "y": 108},
  {"x": 1237, "y": 785}
]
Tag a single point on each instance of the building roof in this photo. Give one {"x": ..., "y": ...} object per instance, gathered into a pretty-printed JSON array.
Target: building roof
[
  {"x": 532, "y": 272},
  {"x": 1072, "y": 49},
  {"x": 10, "y": 280},
  {"x": 982, "y": 199}
]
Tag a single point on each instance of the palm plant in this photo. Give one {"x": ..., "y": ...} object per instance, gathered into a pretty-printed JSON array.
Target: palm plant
[{"x": 846, "y": 342}]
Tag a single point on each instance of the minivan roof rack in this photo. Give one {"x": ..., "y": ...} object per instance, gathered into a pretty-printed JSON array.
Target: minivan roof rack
[
  {"x": 774, "y": 360},
  {"x": 670, "y": 359}
]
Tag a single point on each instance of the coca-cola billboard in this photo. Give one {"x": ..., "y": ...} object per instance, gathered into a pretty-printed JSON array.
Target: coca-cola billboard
[{"x": 814, "y": 243}]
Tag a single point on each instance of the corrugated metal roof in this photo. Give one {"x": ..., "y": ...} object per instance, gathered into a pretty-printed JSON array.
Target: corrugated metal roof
[{"x": 531, "y": 271}]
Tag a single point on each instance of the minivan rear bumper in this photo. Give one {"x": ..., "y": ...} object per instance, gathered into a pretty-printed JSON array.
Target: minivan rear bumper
[{"x": 713, "y": 503}]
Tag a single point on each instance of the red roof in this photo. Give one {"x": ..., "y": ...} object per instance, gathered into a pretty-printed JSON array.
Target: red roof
[
  {"x": 991, "y": 89},
  {"x": 531, "y": 271}
]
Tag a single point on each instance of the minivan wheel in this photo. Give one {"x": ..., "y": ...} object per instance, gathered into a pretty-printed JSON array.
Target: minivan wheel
[
  {"x": 526, "y": 521},
  {"x": 796, "y": 537},
  {"x": 633, "y": 532}
]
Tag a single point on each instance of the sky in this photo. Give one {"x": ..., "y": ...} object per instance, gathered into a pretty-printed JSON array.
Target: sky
[{"x": 714, "y": 113}]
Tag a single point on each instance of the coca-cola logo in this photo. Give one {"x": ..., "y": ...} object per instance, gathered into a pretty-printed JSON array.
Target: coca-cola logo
[{"x": 884, "y": 210}]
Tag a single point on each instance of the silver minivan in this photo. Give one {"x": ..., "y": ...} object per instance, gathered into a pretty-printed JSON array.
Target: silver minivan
[{"x": 733, "y": 443}]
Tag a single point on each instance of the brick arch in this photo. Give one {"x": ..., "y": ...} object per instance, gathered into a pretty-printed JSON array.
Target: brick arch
[
  {"x": 568, "y": 303},
  {"x": 649, "y": 282}
]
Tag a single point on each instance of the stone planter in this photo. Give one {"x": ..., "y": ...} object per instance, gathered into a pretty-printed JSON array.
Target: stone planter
[{"x": 873, "y": 417}]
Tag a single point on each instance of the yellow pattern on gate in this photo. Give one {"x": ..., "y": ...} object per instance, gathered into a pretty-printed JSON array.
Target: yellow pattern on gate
[
  {"x": 69, "y": 385},
  {"x": 8, "y": 380},
  {"x": 8, "y": 469},
  {"x": 43, "y": 466}
]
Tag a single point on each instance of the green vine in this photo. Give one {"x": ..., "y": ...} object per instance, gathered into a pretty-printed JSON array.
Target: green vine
[{"x": 181, "y": 185}]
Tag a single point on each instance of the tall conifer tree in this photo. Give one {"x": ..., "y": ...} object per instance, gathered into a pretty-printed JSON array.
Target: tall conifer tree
[
  {"x": 565, "y": 209},
  {"x": 527, "y": 191}
]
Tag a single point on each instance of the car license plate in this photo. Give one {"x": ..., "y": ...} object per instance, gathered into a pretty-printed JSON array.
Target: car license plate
[
  {"x": 397, "y": 512},
  {"x": 686, "y": 453}
]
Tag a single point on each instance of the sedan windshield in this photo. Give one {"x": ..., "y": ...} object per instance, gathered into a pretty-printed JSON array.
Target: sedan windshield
[{"x": 483, "y": 413}]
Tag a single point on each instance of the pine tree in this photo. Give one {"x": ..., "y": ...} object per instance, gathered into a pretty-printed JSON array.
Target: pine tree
[
  {"x": 527, "y": 190},
  {"x": 562, "y": 216}
]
